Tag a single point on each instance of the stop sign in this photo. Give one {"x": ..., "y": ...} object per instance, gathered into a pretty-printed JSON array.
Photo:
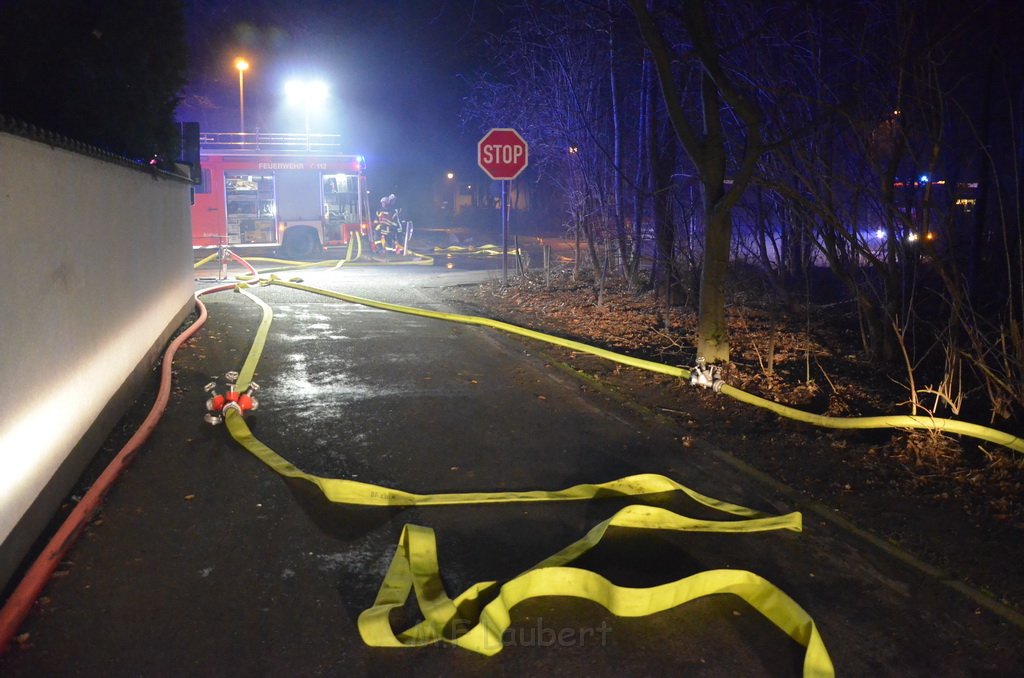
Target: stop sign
[{"x": 502, "y": 153}]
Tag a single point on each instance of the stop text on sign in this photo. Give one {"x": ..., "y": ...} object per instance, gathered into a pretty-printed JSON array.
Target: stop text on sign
[
  {"x": 502, "y": 154},
  {"x": 492, "y": 153}
]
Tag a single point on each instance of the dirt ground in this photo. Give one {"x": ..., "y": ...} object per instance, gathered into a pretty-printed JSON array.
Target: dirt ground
[{"x": 955, "y": 504}]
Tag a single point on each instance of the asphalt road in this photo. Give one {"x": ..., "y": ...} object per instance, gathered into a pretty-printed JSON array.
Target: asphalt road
[{"x": 204, "y": 562}]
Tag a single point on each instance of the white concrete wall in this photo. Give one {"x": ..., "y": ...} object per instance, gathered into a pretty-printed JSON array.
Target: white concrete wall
[{"x": 95, "y": 273}]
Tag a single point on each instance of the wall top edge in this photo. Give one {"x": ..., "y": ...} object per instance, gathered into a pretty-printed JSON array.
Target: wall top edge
[{"x": 19, "y": 128}]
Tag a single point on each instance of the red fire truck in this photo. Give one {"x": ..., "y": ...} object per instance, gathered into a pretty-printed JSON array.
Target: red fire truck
[{"x": 294, "y": 193}]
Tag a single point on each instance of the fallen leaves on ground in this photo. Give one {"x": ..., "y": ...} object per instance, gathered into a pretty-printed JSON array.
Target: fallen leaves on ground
[{"x": 809, "y": 359}]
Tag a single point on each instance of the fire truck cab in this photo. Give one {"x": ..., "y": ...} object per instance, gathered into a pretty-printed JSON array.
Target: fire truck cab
[{"x": 293, "y": 193}]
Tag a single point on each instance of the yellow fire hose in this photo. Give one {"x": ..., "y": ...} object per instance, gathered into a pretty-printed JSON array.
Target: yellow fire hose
[
  {"x": 483, "y": 610},
  {"x": 885, "y": 421},
  {"x": 487, "y": 250},
  {"x": 205, "y": 260},
  {"x": 351, "y": 258}
]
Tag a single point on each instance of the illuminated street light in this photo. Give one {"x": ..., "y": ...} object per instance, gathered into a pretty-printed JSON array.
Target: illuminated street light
[
  {"x": 242, "y": 65},
  {"x": 308, "y": 94},
  {"x": 447, "y": 192}
]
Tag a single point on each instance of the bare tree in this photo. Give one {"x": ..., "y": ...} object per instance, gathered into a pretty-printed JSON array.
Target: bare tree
[
  {"x": 702, "y": 133},
  {"x": 557, "y": 80}
]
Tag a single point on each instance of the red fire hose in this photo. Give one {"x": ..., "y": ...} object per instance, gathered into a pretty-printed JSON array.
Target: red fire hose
[
  {"x": 243, "y": 262},
  {"x": 20, "y": 603}
]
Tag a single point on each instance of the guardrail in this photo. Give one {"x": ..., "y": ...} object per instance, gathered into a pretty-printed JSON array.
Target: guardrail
[{"x": 269, "y": 142}]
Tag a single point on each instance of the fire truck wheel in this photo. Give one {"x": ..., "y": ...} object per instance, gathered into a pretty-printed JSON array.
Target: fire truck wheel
[{"x": 300, "y": 243}]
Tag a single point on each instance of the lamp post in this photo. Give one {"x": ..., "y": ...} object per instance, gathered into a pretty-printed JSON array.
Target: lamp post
[
  {"x": 242, "y": 65},
  {"x": 449, "y": 192}
]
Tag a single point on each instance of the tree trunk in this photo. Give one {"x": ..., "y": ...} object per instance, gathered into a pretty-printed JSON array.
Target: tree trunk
[
  {"x": 709, "y": 152},
  {"x": 712, "y": 329},
  {"x": 620, "y": 224},
  {"x": 660, "y": 152},
  {"x": 643, "y": 175}
]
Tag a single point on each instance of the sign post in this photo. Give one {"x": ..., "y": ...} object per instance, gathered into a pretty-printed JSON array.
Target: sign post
[{"x": 503, "y": 155}]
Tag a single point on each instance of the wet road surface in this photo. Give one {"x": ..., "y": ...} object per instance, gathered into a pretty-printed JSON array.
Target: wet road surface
[{"x": 204, "y": 562}]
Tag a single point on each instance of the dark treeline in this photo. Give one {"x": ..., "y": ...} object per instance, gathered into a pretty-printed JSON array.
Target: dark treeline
[
  {"x": 105, "y": 72},
  {"x": 877, "y": 139}
]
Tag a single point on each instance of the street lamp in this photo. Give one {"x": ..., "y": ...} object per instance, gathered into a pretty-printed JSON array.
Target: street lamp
[
  {"x": 242, "y": 65},
  {"x": 308, "y": 94},
  {"x": 449, "y": 192}
]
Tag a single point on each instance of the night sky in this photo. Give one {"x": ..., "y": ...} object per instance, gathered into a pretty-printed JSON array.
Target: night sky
[{"x": 394, "y": 70}]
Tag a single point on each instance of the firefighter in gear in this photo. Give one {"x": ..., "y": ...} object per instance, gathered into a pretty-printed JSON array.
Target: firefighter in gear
[{"x": 387, "y": 226}]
